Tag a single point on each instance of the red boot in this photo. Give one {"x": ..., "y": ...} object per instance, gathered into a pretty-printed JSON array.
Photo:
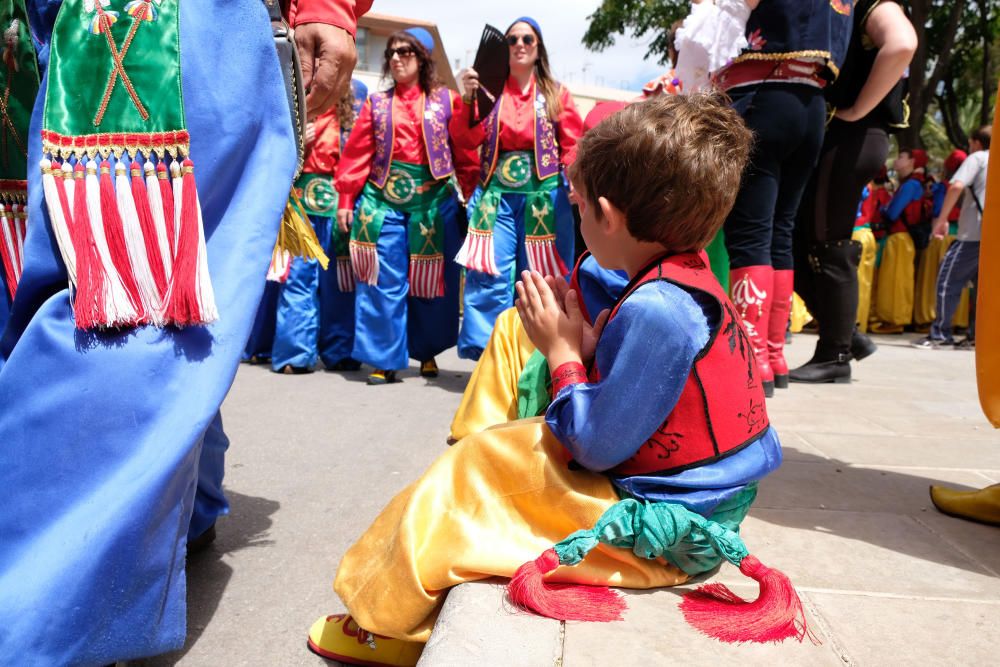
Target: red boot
[
  {"x": 750, "y": 289},
  {"x": 781, "y": 308}
]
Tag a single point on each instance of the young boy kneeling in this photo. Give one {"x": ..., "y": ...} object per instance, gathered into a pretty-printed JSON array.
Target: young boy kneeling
[{"x": 655, "y": 439}]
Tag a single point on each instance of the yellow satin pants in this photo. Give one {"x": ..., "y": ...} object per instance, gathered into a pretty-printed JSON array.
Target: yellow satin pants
[
  {"x": 494, "y": 501},
  {"x": 894, "y": 294},
  {"x": 866, "y": 274},
  {"x": 490, "y": 398}
]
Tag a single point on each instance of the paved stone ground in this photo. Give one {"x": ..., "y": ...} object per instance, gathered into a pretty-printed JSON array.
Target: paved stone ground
[{"x": 884, "y": 577}]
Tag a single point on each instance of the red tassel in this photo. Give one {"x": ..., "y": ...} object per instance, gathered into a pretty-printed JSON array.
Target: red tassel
[
  {"x": 8, "y": 249},
  {"x": 774, "y": 616},
  {"x": 114, "y": 230},
  {"x": 149, "y": 235},
  {"x": 184, "y": 307},
  {"x": 168, "y": 205},
  {"x": 61, "y": 191},
  {"x": 88, "y": 306},
  {"x": 565, "y": 602}
]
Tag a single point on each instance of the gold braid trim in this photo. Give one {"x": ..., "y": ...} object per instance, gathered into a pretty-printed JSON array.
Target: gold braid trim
[
  {"x": 160, "y": 150},
  {"x": 790, "y": 55}
]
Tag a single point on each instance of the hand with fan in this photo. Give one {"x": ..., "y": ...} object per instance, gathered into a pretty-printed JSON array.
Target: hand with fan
[{"x": 488, "y": 74}]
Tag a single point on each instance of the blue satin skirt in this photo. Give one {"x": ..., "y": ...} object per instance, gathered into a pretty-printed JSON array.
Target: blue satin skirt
[
  {"x": 314, "y": 318},
  {"x": 262, "y": 333},
  {"x": 101, "y": 435},
  {"x": 487, "y": 296},
  {"x": 391, "y": 326}
]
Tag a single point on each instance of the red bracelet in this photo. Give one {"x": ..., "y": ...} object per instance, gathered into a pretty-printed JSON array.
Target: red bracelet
[{"x": 572, "y": 372}]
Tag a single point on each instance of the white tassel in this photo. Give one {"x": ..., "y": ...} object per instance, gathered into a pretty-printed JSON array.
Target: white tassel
[
  {"x": 281, "y": 265},
  {"x": 156, "y": 206},
  {"x": 17, "y": 218},
  {"x": 118, "y": 305},
  {"x": 206, "y": 294},
  {"x": 136, "y": 245},
  {"x": 58, "y": 219},
  {"x": 8, "y": 224}
]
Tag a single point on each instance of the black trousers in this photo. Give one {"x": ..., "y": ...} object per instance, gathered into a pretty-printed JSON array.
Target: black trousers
[
  {"x": 787, "y": 122},
  {"x": 851, "y": 156}
]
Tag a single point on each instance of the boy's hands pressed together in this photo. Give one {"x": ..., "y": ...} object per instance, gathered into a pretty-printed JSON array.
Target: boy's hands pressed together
[
  {"x": 591, "y": 333},
  {"x": 556, "y": 328}
]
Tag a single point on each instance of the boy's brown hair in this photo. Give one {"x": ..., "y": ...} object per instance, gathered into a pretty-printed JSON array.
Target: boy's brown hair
[
  {"x": 671, "y": 164},
  {"x": 983, "y": 135}
]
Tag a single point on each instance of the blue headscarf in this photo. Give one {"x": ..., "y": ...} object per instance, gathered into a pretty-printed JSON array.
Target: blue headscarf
[
  {"x": 423, "y": 36},
  {"x": 530, "y": 21}
]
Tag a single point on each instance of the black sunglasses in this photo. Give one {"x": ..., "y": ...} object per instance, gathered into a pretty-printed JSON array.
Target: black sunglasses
[
  {"x": 528, "y": 40},
  {"x": 403, "y": 51}
]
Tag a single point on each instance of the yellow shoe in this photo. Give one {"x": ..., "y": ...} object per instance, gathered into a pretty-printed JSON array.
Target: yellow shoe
[
  {"x": 380, "y": 377},
  {"x": 429, "y": 368},
  {"x": 882, "y": 328},
  {"x": 982, "y": 505},
  {"x": 338, "y": 637}
]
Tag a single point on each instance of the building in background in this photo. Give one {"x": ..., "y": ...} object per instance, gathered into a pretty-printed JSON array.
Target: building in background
[{"x": 373, "y": 35}]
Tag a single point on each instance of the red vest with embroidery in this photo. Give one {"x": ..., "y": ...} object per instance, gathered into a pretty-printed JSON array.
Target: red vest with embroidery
[{"x": 721, "y": 408}]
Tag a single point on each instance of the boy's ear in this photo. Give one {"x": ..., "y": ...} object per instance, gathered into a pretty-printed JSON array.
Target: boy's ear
[{"x": 614, "y": 215}]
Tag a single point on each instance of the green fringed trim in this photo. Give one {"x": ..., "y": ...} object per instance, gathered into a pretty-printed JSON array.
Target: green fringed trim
[{"x": 668, "y": 530}]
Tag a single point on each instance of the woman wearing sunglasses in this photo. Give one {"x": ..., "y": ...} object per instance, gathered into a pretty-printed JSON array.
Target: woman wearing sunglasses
[
  {"x": 397, "y": 201},
  {"x": 520, "y": 216}
]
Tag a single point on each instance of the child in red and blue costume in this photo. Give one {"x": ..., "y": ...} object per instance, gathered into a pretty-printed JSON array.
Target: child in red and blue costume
[
  {"x": 894, "y": 293},
  {"x": 655, "y": 439}
]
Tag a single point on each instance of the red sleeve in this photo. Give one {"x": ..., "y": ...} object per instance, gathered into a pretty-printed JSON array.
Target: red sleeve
[
  {"x": 322, "y": 153},
  {"x": 571, "y": 372},
  {"x": 341, "y": 13},
  {"x": 461, "y": 134},
  {"x": 466, "y": 152},
  {"x": 356, "y": 159},
  {"x": 570, "y": 127},
  {"x": 868, "y": 209}
]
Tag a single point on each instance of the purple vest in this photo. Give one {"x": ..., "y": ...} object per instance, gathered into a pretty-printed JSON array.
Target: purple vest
[
  {"x": 546, "y": 145},
  {"x": 436, "y": 111}
]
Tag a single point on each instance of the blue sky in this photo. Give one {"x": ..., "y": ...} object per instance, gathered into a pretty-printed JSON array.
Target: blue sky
[{"x": 563, "y": 23}]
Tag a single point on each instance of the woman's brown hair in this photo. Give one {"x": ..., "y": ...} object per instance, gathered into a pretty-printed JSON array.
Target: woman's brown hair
[
  {"x": 427, "y": 77},
  {"x": 543, "y": 77}
]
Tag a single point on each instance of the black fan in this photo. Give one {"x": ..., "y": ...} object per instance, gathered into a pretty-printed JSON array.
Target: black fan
[{"x": 493, "y": 66}]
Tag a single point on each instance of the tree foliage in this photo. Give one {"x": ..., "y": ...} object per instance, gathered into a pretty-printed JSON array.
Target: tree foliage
[{"x": 957, "y": 60}]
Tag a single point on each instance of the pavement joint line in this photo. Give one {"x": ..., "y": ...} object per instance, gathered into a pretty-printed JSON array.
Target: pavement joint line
[
  {"x": 873, "y": 594},
  {"x": 560, "y": 659},
  {"x": 833, "y": 643},
  {"x": 882, "y": 466},
  {"x": 957, "y": 547}
]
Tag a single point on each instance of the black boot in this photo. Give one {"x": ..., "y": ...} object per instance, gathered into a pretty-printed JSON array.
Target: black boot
[
  {"x": 862, "y": 346},
  {"x": 834, "y": 267}
]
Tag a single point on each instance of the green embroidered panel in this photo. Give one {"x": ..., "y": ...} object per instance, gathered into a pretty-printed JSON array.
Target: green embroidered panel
[
  {"x": 114, "y": 68},
  {"x": 19, "y": 75}
]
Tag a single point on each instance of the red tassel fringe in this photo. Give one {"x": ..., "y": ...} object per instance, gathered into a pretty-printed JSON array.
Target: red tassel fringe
[
  {"x": 148, "y": 226},
  {"x": 163, "y": 178},
  {"x": 776, "y": 614},
  {"x": 183, "y": 308},
  {"x": 88, "y": 306},
  {"x": 114, "y": 231},
  {"x": 565, "y": 602},
  {"x": 8, "y": 248}
]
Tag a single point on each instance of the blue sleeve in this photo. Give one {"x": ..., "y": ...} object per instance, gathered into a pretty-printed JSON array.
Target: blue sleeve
[
  {"x": 599, "y": 287},
  {"x": 938, "y": 194},
  {"x": 908, "y": 192},
  {"x": 645, "y": 356}
]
